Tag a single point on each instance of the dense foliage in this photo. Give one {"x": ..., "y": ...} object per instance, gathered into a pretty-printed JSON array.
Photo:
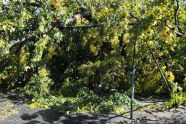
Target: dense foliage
[{"x": 83, "y": 50}]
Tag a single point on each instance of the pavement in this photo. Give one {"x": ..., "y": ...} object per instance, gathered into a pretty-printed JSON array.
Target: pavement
[{"x": 26, "y": 115}]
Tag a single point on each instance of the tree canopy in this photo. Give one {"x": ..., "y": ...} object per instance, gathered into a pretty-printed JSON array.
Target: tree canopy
[{"x": 73, "y": 48}]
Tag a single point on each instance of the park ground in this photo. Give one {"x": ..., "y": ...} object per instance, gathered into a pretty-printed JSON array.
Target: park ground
[{"x": 14, "y": 110}]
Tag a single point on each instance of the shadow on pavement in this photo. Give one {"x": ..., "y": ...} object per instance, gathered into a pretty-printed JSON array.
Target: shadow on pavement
[{"x": 50, "y": 116}]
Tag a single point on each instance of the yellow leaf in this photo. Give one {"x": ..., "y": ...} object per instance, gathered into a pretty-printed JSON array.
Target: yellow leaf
[
  {"x": 169, "y": 76},
  {"x": 151, "y": 43},
  {"x": 34, "y": 105},
  {"x": 163, "y": 67}
]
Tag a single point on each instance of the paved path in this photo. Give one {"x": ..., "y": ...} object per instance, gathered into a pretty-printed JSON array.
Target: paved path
[{"x": 49, "y": 116}]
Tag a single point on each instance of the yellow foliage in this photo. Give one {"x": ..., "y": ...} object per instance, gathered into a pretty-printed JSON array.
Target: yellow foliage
[
  {"x": 126, "y": 38},
  {"x": 24, "y": 55},
  {"x": 168, "y": 40},
  {"x": 115, "y": 41},
  {"x": 82, "y": 21},
  {"x": 94, "y": 49},
  {"x": 51, "y": 52},
  {"x": 163, "y": 67},
  {"x": 172, "y": 49},
  {"x": 79, "y": 21},
  {"x": 151, "y": 42},
  {"x": 34, "y": 105},
  {"x": 22, "y": 59},
  {"x": 150, "y": 81},
  {"x": 86, "y": 66},
  {"x": 169, "y": 76},
  {"x": 43, "y": 72},
  {"x": 3, "y": 76},
  {"x": 56, "y": 4},
  {"x": 120, "y": 110}
]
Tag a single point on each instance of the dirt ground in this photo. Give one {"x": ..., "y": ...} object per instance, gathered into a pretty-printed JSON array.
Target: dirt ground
[{"x": 19, "y": 113}]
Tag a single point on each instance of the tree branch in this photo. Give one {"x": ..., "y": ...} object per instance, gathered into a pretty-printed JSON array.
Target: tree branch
[
  {"x": 60, "y": 27},
  {"x": 133, "y": 16},
  {"x": 77, "y": 1},
  {"x": 176, "y": 13},
  {"x": 14, "y": 42},
  {"x": 81, "y": 26},
  {"x": 171, "y": 28},
  {"x": 176, "y": 21},
  {"x": 77, "y": 16},
  {"x": 178, "y": 34}
]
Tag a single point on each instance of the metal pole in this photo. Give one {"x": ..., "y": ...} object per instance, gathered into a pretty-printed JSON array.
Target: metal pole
[
  {"x": 161, "y": 72},
  {"x": 133, "y": 79}
]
